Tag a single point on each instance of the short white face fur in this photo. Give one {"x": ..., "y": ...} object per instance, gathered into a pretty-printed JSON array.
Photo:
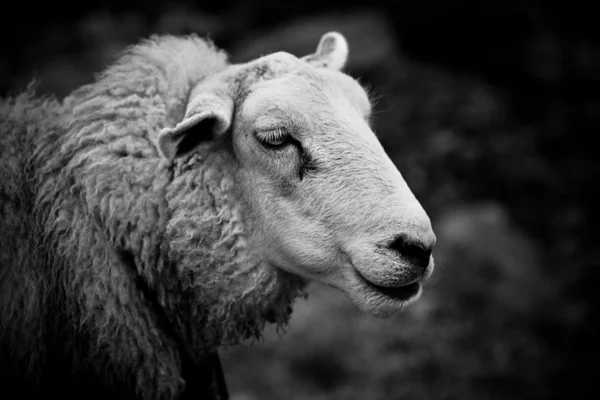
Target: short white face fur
[{"x": 321, "y": 198}]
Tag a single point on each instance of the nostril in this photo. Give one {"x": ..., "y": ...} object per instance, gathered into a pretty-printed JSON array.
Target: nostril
[{"x": 411, "y": 249}]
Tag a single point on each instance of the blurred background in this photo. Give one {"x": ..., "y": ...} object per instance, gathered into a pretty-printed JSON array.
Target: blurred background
[{"x": 488, "y": 108}]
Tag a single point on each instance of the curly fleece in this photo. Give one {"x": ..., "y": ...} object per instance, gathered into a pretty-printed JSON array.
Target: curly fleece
[{"x": 115, "y": 264}]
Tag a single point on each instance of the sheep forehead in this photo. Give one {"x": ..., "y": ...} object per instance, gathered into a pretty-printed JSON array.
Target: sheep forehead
[
  {"x": 315, "y": 79},
  {"x": 295, "y": 84},
  {"x": 293, "y": 101}
]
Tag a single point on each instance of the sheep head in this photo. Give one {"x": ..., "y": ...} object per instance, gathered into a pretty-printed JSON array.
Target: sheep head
[{"x": 313, "y": 192}]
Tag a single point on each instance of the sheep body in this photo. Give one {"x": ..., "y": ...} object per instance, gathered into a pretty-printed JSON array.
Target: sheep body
[
  {"x": 179, "y": 204},
  {"x": 89, "y": 303}
]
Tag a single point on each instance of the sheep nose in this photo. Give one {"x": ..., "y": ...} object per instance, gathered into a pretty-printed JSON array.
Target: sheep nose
[{"x": 417, "y": 251}]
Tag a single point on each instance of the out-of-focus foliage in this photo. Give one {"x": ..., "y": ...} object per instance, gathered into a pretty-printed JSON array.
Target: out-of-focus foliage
[{"x": 488, "y": 109}]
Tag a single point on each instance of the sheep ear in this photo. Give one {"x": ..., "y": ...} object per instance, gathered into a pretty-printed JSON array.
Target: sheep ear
[
  {"x": 332, "y": 52},
  {"x": 208, "y": 114}
]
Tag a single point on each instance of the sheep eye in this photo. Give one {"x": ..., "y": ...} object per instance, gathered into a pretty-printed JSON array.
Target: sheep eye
[{"x": 273, "y": 138}]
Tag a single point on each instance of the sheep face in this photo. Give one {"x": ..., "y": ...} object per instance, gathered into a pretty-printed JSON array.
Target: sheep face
[{"x": 320, "y": 197}]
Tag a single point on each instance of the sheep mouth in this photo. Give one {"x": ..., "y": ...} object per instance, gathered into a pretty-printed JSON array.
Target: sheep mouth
[{"x": 399, "y": 293}]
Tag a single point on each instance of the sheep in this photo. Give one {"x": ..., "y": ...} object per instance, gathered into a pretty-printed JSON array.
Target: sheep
[{"x": 180, "y": 203}]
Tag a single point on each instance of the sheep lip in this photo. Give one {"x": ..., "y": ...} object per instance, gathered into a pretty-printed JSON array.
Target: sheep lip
[{"x": 402, "y": 292}]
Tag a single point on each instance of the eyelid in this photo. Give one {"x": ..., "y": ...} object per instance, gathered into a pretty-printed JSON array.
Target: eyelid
[{"x": 267, "y": 123}]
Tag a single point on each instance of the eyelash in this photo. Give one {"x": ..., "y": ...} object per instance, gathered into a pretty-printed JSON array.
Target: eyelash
[{"x": 277, "y": 135}]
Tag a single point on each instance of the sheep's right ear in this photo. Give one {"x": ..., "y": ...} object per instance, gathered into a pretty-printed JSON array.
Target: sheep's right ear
[{"x": 208, "y": 113}]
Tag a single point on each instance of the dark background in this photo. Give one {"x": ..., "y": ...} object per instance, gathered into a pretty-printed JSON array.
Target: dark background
[{"x": 488, "y": 108}]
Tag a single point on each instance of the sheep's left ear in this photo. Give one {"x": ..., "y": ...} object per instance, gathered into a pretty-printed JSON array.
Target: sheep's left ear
[
  {"x": 332, "y": 52},
  {"x": 208, "y": 113}
]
